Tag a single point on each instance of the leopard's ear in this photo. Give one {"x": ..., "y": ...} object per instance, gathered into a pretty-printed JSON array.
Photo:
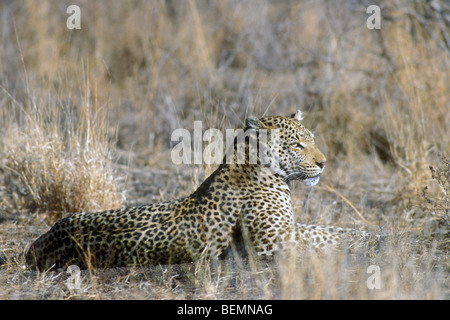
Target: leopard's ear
[
  {"x": 253, "y": 123},
  {"x": 298, "y": 115}
]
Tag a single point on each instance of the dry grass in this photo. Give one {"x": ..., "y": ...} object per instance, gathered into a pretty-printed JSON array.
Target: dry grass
[
  {"x": 64, "y": 165},
  {"x": 81, "y": 109}
]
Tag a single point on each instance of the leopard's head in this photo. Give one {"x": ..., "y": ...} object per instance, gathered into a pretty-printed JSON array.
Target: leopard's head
[{"x": 292, "y": 153}]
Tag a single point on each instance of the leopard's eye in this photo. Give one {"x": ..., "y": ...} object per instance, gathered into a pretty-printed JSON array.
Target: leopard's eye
[{"x": 299, "y": 145}]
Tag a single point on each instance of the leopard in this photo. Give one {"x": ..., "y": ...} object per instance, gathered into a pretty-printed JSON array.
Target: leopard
[{"x": 247, "y": 198}]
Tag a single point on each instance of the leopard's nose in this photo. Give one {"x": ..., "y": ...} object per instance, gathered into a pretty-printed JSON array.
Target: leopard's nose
[{"x": 321, "y": 164}]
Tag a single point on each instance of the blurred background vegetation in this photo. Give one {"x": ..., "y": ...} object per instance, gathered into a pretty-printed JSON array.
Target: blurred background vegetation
[{"x": 137, "y": 70}]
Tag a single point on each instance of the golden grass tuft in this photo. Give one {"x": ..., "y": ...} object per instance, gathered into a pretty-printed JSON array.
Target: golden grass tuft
[{"x": 65, "y": 165}]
